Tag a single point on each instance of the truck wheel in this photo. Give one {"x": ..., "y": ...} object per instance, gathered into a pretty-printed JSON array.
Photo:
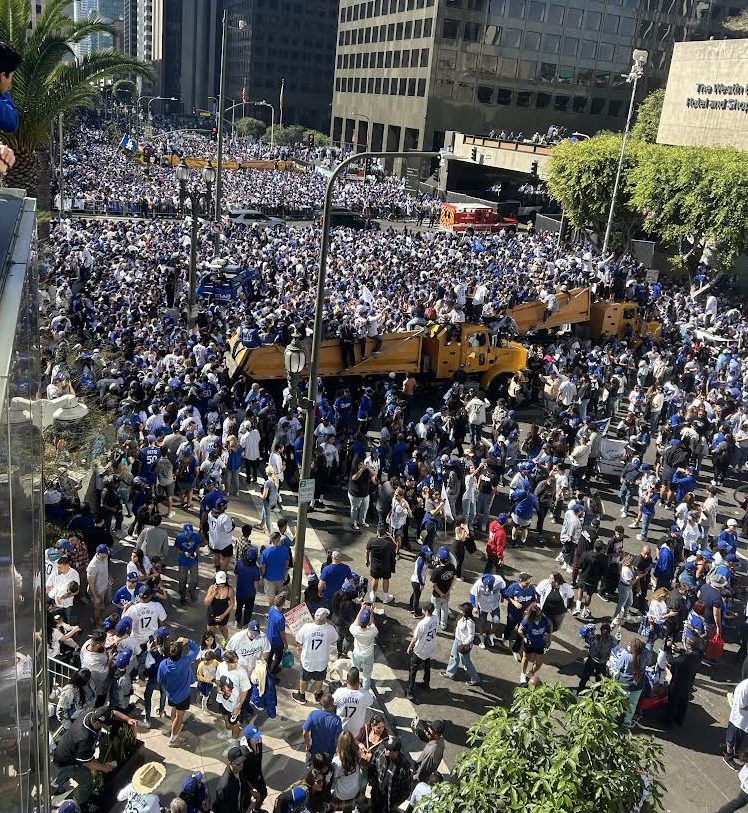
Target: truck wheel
[{"x": 499, "y": 387}]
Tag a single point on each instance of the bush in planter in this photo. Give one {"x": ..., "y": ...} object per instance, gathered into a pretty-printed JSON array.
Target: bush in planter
[{"x": 118, "y": 747}]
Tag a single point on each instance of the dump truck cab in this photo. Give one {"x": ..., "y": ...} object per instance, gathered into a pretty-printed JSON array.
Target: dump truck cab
[
  {"x": 479, "y": 352},
  {"x": 622, "y": 320}
]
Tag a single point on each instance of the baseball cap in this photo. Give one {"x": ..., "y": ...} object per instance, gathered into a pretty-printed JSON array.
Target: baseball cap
[
  {"x": 675, "y": 529},
  {"x": 252, "y": 733},
  {"x": 689, "y": 566},
  {"x": 123, "y": 626},
  {"x": 253, "y": 626},
  {"x": 393, "y": 744},
  {"x": 53, "y": 554},
  {"x": 321, "y": 614},
  {"x": 348, "y": 587},
  {"x": 488, "y": 580},
  {"x": 524, "y": 576},
  {"x": 191, "y": 783},
  {"x": 443, "y": 554},
  {"x": 162, "y": 632},
  {"x": 723, "y": 545},
  {"x": 69, "y": 806},
  {"x": 425, "y": 550},
  {"x": 437, "y": 726},
  {"x": 102, "y": 549},
  {"x": 123, "y": 659},
  {"x": 226, "y": 681},
  {"x": 187, "y": 528},
  {"x": 221, "y": 577},
  {"x": 236, "y": 754},
  {"x": 732, "y": 523},
  {"x": 299, "y": 794},
  {"x": 731, "y": 557},
  {"x": 501, "y": 518},
  {"x": 64, "y": 544},
  {"x": 364, "y": 618}
]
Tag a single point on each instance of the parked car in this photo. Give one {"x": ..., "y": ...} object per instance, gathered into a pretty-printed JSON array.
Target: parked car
[
  {"x": 250, "y": 217},
  {"x": 345, "y": 218}
]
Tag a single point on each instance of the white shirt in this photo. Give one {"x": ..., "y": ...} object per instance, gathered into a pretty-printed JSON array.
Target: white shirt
[
  {"x": 566, "y": 591},
  {"x": 465, "y": 631},
  {"x": 146, "y": 617},
  {"x": 138, "y": 802},
  {"x": 487, "y": 601},
  {"x": 424, "y": 637},
  {"x": 250, "y": 443},
  {"x": 220, "y": 529},
  {"x": 249, "y": 650},
  {"x": 364, "y": 639},
  {"x": 229, "y": 699},
  {"x": 351, "y": 705},
  {"x": 60, "y": 586},
  {"x": 739, "y": 710},
  {"x": 316, "y": 640}
]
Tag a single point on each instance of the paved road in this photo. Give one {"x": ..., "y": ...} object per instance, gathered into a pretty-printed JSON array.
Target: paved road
[{"x": 690, "y": 751}]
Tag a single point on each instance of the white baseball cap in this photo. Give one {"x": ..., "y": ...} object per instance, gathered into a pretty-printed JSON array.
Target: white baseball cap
[{"x": 221, "y": 577}]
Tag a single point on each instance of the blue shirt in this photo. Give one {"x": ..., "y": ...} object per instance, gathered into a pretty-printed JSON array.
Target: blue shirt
[
  {"x": 324, "y": 728},
  {"x": 187, "y": 543},
  {"x": 209, "y": 501},
  {"x": 276, "y": 625},
  {"x": 524, "y": 595},
  {"x": 730, "y": 537},
  {"x": 275, "y": 561},
  {"x": 247, "y": 577},
  {"x": 333, "y": 575},
  {"x": 535, "y": 632},
  {"x": 123, "y": 594},
  {"x": 9, "y": 121},
  {"x": 176, "y": 676}
]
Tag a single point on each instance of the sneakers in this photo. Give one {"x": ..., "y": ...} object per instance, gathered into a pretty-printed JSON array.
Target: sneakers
[
  {"x": 446, "y": 675},
  {"x": 388, "y": 598},
  {"x": 372, "y": 597},
  {"x": 634, "y": 524},
  {"x": 730, "y": 762},
  {"x": 576, "y": 611},
  {"x": 560, "y": 558},
  {"x": 355, "y": 526},
  {"x": 640, "y": 538},
  {"x": 481, "y": 644},
  {"x": 364, "y": 524},
  {"x": 586, "y": 613},
  {"x": 492, "y": 639},
  {"x": 299, "y": 698},
  {"x": 473, "y": 683},
  {"x": 204, "y": 702},
  {"x": 523, "y": 679},
  {"x": 623, "y": 512},
  {"x": 517, "y": 657}
]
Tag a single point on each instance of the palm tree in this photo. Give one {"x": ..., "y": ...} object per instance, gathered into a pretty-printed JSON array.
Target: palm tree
[{"x": 50, "y": 80}]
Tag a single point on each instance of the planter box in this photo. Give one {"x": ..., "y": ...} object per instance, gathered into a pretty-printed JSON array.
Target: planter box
[{"x": 121, "y": 776}]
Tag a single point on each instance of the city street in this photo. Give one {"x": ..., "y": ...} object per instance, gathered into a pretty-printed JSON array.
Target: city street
[{"x": 693, "y": 749}]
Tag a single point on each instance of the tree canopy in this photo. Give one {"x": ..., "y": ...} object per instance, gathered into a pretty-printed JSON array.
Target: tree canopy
[
  {"x": 249, "y": 126},
  {"x": 648, "y": 117},
  {"x": 294, "y": 134},
  {"x": 550, "y": 754}
]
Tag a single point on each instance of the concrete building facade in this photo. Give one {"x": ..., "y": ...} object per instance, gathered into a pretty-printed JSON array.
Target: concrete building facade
[{"x": 513, "y": 65}]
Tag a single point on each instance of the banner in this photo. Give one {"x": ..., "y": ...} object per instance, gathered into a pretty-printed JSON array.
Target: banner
[
  {"x": 447, "y": 507},
  {"x": 366, "y": 295}
]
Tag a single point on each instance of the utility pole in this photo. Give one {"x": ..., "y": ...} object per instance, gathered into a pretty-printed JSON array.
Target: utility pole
[
  {"x": 61, "y": 182},
  {"x": 221, "y": 110}
]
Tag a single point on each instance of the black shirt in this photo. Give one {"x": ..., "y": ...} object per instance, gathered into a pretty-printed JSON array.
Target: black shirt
[
  {"x": 95, "y": 536},
  {"x": 712, "y": 598},
  {"x": 443, "y": 577},
  {"x": 381, "y": 557},
  {"x": 554, "y": 603},
  {"x": 230, "y": 796},
  {"x": 77, "y": 744}
]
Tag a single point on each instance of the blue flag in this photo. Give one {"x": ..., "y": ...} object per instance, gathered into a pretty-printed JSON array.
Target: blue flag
[
  {"x": 128, "y": 144},
  {"x": 477, "y": 245}
]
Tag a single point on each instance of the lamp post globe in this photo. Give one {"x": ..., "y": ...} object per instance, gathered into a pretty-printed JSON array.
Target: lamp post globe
[
  {"x": 209, "y": 175},
  {"x": 183, "y": 172},
  {"x": 294, "y": 356}
]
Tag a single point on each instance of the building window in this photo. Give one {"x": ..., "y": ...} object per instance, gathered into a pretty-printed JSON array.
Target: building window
[
  {"x": 417, "y": 29},
  {"x": 508, "y": 67},
  {"x": 424, "y": 57},
  {"x": 555, "y": 15},
  {"x": 597, "y": 107},
  {"x": 393, "y": 87},
  {"x": 503, "y": 96},
  {"x": 536, "y": 11},
  {"x": 532, "y": 41},
  {"x": 427, "y": 26},
  {"x": 403, "y": 87},
  {"x": 380, "y": 59},
  {"x": 565, "y": 75},
  {"x": 492, "y": 34},
  {"x": 593, "y": 20},
  {"x": 550, "y": 44},
  {"x": 365, "y": 60},
  {"x": 615, "y": 107},
  {"x": 449, "y": 29},
  {"x": 411, "y": 87},
  {"x": 516, "y": 8},
  {"x": 408, "y": 31},
  {"x": 471, "y": 32},
  {"x": 524, "y": 98},
  {"x": 483, "y": 94},
  {"x": 580, "y": 104},
  {"x": 398, "y": 31},
  {"x": 588, "y": 49},
  {"x": 547, "y": 72},
  {"x": 570, "y": 46},
  {"x": 339, "y": 61},
  {"x": 356, "y": 85},
  {"x": 584, "y": 76},
  {"x": 605, "y": 51},
  {"x": 337, "y": 83},
  {"x": 385, "y": 86},
  {"x": 358, "y": 60},
  {"x": 574, "y": 17},
  {"x": 390, "y": 32},
  {"x": 382, "y": 33},
  {"x": 543, "y": 101},
  {"x": 527, "y": 69},
  {"x": 378, "y": 85},
  {"x": 627, "y": 26},
  {"x": 510, "y": 37},
  {"x": 561, "y": 103},
  {"x": 602, "y": 79},
  {"x": 388, "y": 59},
  {"x": 421, "y": 88},
  {"x": 396, "y": 59},
  {"x": 610, "y": 23},
  {"x": 406, "y": 59},
  {"x": 375, "y": 33}
]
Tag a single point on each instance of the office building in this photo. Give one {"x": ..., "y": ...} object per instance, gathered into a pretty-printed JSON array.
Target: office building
[
  {"x": 23, "y": 663},
  {"x": 283, "y": 39},
  {"x": 408, "y": 70}
]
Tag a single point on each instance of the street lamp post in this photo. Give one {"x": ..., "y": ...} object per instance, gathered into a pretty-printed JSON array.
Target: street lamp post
[
  {"x": 310, "y": 401},
  {"x": 195, "y": 196},
  {"x": 156, "y": 99},
  {"x": 264, "y": 103},
  {"x": 637, "y": 71}
]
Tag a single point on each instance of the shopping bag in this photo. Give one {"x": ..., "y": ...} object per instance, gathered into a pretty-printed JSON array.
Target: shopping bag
[{"x": 715, "y": 647}]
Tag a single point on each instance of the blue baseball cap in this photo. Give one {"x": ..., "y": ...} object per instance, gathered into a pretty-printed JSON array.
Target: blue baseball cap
[
  {"x": 187, "y": 527},
  {"x": 123, "y": 659},
  {"x": 364, "y": 618},
  {"x": 502, "y": 518},
  {"x": 253, "y": 626},
  {"x": 443, "y": 554},
  {"x": 102, "y": 549},
  {"x": 191, "y": 783},
  {"x": 689, "y": 566},
  {"x": 162, "y": 632},
  {"x": 252, "y": 733},
  {"x": 731, "y": 557},
  {"x": 675, "y": 529},
  {"x": 123, "y": 625},
  {"x": 425, "y": 550},
  {"x": 488, "y": 581}
]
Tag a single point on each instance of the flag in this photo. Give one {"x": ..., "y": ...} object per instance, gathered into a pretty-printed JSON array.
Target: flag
[
  {"x": 128, "y": 144},
  {"x": 602, "y": 426},
  {"x": 366, "y": 295},
  {"x": 447, "y": 507},
  {"x": 477, "y": 246},
  {"x": 244, "y": 95}
]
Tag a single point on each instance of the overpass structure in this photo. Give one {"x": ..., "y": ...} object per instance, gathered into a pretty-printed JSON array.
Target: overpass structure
[{"x": 510, "y": 156}]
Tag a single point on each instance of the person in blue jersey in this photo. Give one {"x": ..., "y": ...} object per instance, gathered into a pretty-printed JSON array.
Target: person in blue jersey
[
  {"x": 519, "y": 595},
  {"x": 188, "y": 544},
  {"x": 535, "y": 632}
]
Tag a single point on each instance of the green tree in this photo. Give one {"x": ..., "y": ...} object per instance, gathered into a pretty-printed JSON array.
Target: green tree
[
  {"x": 648, "y": 117},
  {"x": 284, "y": 136},
  {"x": 549, "y": 754},
  {"x": 581, "y": 176},
  {"x": 320, "y": 139},
  {"x": 50, "y": 80},
  {"x": 248, "y": 126},
  {"x": 693, "y": 197}
]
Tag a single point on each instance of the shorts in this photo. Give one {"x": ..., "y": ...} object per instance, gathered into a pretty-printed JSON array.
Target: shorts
[
  {"x": 533, "y": 650},
  {"x": 313, "y": 676},
  {"x": 589, "y": 589},
  {"x": 556, "y": 621},
  {"x": 182, "y": 705},
  {"x": 493, "y": 617},
  {"x": 226, "y": 552},
  {"x": 380, "y": 574},
  {"x": 230, "y": 717},
  {"x": 167, "y": 491},
  {"x": 521, "y": 523}
]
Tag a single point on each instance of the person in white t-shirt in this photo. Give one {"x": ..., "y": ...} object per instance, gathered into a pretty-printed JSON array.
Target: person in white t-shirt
[
  {"x": 233, "y": 685},
  {"x": 63, "y": 588},
  {"x": 146, "y": 617},
  {"x": 139, "y": 794},
  {"x": 421, "y": 649},
  {"x": 313, "y": 642},
  {"x": 220, "y": 535},
  {"x": 250, "y": 645},
  {"x": 351, "y": 702},
  {"x": 364, "y": 640}
]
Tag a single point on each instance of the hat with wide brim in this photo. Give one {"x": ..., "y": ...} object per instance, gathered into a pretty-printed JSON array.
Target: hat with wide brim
[{"x": 147, "y": 778}]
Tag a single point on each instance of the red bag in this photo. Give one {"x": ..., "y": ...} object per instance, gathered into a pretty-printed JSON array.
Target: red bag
[{"x": 715, "y": 647}]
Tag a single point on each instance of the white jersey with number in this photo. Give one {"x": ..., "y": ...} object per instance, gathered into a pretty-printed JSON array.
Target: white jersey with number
[
  {"x": 249, "y": 650},
  {"x": 220, "y": 529},
  {"x": 424, "y": 636},
  {"x": 351, "y": 705},
  {"x": 316, "y": 640},
  {"x": 146, "y": 617}
]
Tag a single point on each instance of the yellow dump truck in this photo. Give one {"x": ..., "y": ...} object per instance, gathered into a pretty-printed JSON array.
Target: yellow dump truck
[
  {"x": 621, "y": 319},
  {"x": 429, "y": 351}
]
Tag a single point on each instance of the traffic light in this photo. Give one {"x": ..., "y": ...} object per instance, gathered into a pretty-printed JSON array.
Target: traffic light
[
  {"x": 310, "y": 139},
  {"x": 534, "y": 168},
  {"x": 474, "y": 154}
]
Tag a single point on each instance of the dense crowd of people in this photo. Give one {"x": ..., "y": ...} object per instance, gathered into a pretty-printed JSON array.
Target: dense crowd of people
[{"x": 191, "y": 439}]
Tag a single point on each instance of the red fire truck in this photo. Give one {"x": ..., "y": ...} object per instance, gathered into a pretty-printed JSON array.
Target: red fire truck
[{"x": 476, "y": 216}]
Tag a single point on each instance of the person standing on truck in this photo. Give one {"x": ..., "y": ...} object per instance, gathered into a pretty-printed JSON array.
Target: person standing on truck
[{"x": 347, "y": 336}]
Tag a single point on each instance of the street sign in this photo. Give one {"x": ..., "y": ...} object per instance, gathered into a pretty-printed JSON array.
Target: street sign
[
  {"x": 306, "y": 490},
  {"x": 297, "y": 617}
]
